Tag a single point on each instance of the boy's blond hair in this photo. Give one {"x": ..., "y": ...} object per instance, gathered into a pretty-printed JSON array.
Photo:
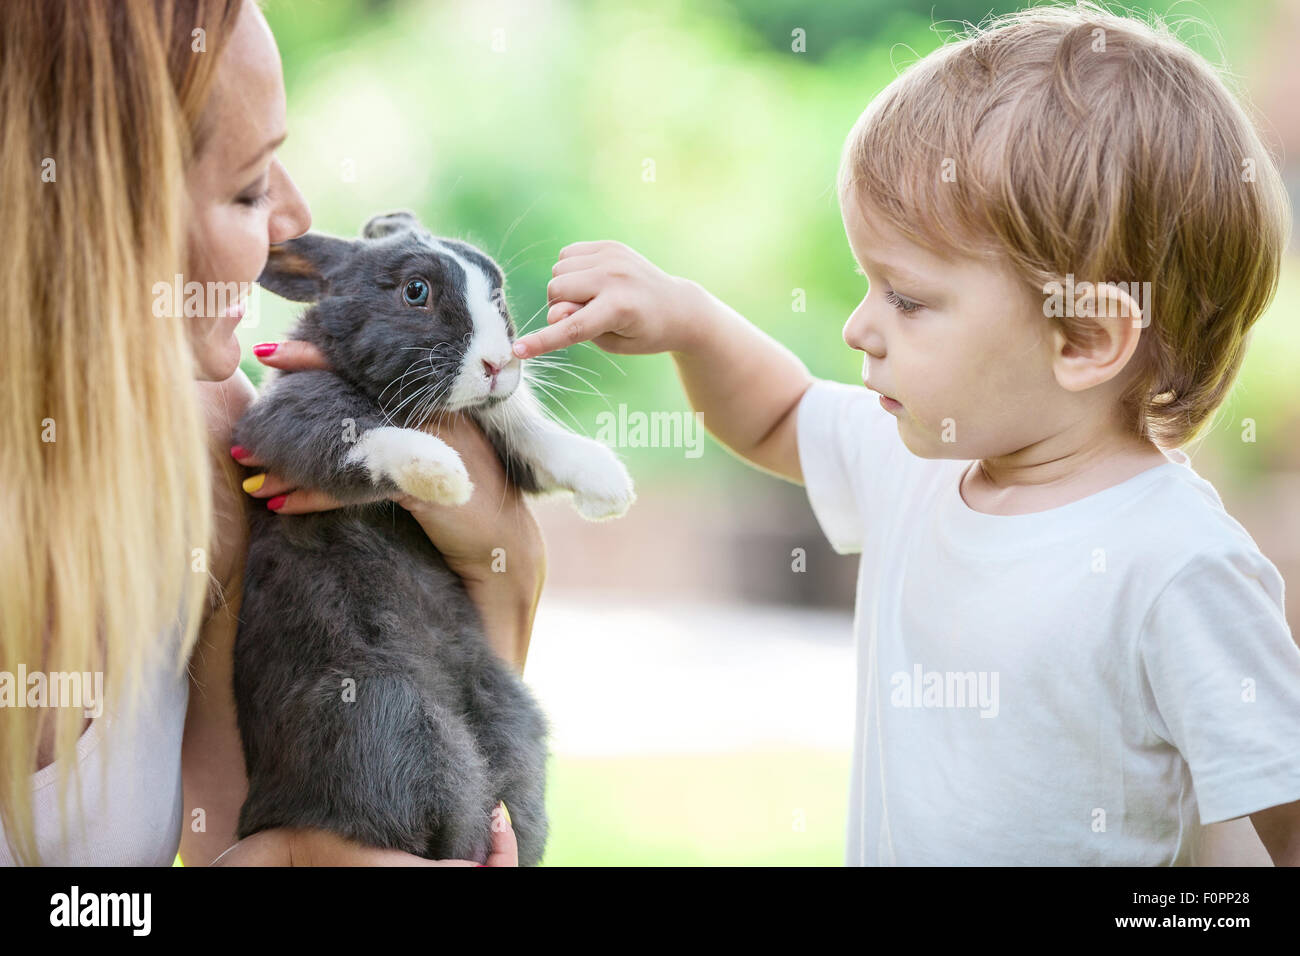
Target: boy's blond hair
[{"x": 1069, "y": 140}]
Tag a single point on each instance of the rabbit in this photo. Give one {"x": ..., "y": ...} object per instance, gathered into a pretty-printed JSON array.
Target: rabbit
[{"x": 369, "y": 702}]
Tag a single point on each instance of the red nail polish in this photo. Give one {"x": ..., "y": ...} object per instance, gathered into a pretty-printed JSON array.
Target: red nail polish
[
  {"x": 276, "y": 503},
  {"x": 265, "y": 349},
  {"x": 238, "y": 451}
]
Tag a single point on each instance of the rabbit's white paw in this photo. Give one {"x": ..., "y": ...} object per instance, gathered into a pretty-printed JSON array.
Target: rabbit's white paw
[
  {"x": 417, "y": 462},
  {"x": 601, "y": 485}
]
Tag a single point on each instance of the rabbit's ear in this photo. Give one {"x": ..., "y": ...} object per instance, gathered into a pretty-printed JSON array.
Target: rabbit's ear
[
  {"x": 300, "y": 268},
  {"x": 390, "y": 222}
]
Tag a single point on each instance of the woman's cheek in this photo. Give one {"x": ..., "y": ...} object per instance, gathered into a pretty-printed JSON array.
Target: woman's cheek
[{"x": 242, "y": 238}]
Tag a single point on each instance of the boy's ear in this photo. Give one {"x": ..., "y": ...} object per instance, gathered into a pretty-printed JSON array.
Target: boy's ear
[
  {"x": 299, "y": 269},
  {"x": 1114, "y": 321}
]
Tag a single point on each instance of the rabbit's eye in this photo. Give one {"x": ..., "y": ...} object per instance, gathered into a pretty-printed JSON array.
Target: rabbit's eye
[{"x": 416, "y": 292}]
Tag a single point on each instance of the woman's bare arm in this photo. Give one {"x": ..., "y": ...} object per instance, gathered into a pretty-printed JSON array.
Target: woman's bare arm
[{"x": 212, "y": 758}]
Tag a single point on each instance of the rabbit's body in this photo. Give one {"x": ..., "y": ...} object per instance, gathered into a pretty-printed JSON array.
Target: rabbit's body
[
  {"x": 370, "y": 703},
  {"x": 369, "y": 700}
]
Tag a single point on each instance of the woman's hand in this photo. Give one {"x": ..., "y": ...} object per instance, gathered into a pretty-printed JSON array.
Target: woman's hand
[
  {"x": 492, "y": 542},
  {"x": 311, "y": 847}
]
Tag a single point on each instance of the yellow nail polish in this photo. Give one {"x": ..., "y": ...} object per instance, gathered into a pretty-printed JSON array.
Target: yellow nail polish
[
  {"x": 505, "y": 812},
  {"x": 255, "y": 483}
]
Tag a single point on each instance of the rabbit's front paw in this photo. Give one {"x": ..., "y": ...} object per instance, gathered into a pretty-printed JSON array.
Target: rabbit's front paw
[
  {"x": 601, "y": 485},
  {"x": 418, "y": 463}
]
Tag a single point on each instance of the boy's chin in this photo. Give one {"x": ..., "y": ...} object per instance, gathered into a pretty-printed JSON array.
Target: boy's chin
[{"x": 927, "y": 445}]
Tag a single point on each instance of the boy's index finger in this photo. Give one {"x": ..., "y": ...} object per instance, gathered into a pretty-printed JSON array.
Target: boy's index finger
[{"x": 577, "y": 327}]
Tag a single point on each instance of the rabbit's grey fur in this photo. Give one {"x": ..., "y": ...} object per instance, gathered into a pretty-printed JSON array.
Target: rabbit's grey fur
[{"x": 357, "y": 601}]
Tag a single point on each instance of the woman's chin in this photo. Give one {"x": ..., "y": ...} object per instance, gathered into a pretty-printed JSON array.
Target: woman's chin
[{"x": 216, "y": 363}]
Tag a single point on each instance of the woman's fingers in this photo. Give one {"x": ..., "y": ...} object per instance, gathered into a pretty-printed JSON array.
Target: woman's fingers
[
  {"x": 302, "y": 501},
  {"x": 285, "y": 498},
  {"x": 312, "y": 847},
  {"x": 291, "y": 356},
  {"x": 266, "y": 485},
  {"x": 505, "y": 848},
  {"x": 245, "y": 457}
]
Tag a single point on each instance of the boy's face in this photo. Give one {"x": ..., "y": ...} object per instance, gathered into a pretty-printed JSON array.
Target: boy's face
[{"x": 960, "y": 345}]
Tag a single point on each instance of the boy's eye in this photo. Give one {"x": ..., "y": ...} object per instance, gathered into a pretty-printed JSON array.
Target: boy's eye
[
  {"x": 416, "y": 292},
  {"x": 901, "y": 304}
]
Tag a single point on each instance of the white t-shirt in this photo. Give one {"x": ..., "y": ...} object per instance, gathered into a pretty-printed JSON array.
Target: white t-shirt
[
  {"x": 1087, "y": 685},
  {"x": 131, "y": 802}
]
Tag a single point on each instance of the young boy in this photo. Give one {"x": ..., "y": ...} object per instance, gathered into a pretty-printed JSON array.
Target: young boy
[{"x": 1068, "y": 653}]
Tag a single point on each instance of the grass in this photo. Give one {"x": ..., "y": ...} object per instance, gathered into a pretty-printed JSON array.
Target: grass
[{"x": 733, "y": 809}]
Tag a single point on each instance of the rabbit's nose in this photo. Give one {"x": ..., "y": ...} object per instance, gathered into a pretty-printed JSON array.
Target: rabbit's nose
[{"x": 492, "y": 370}]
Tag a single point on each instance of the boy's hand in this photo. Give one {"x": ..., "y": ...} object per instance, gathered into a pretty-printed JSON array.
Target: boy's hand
[
  {"x": 606, "y": 292},
  {"x": 745, "y": 383}
]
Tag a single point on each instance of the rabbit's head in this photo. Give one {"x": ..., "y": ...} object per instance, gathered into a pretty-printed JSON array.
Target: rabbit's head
[{"x": 418, "y": 322}]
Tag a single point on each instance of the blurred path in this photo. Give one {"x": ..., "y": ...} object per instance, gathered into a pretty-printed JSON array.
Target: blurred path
[{"x": 623, "y": 675}]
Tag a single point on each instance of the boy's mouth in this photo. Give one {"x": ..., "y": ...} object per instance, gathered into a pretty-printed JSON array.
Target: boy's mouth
[{"x": 890, "y": 404}]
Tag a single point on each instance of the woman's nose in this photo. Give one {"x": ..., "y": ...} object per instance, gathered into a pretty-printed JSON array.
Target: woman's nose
[{"x": 292, "y": 216}]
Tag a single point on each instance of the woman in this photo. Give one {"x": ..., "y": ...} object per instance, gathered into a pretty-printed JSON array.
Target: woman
[{"x": 138, "y": 144}]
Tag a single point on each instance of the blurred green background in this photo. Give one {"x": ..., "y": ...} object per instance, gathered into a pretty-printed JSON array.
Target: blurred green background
[{"x": 698, "y": 135}]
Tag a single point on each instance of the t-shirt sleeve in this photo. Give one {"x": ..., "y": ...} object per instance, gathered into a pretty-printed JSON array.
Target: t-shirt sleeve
[
  {"x": 848, "y": 444},
  {"x": 1224, "y": 677}
]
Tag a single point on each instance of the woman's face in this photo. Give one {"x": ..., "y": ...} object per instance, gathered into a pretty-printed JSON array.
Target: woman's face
[{"x": 241, "y": 198}]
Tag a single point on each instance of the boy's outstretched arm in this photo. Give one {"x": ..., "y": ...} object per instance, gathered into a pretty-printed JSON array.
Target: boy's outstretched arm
[{"x": 746, "y": 385}]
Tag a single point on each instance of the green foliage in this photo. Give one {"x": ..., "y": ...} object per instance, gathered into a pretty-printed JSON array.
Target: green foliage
[{"x": 690, "y": 131}]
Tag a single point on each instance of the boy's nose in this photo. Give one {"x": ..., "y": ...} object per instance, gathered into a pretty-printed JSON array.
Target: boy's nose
[{"x": 860, "y": 336}]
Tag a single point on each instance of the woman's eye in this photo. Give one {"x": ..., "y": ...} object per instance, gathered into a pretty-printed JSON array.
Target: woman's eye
[
  {"x": 416, "y": 292},
  {"x": 901, "y": 304},
  {"x": 256, "y": 194},
  {"x": 255, "y": 201}
]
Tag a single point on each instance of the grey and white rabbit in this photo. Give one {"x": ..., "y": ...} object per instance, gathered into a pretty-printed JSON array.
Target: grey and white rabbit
[{"x": 369, "y": 701}]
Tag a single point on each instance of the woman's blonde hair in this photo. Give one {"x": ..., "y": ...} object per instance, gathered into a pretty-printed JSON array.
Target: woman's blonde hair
[
  {"x": 1073, "y": 141},
  {"x": 106, "y": 492}
]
